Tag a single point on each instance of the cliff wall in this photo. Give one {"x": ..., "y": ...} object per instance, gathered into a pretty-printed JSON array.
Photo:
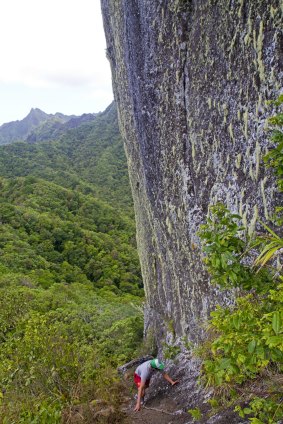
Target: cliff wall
[{"x": 191, "y": 78}]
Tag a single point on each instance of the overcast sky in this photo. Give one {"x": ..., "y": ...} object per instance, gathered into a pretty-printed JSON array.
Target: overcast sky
[{"x": 52, "y": 57}]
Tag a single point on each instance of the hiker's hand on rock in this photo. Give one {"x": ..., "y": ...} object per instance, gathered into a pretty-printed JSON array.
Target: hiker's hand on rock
[
  {"x": 138, "y": 407},
  {"x": 175, "y": 382}
]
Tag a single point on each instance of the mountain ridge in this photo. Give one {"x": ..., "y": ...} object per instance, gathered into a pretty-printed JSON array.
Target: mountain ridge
[
  {"x": 91, "y": 152},
  {"x": 39, "y": 125}
]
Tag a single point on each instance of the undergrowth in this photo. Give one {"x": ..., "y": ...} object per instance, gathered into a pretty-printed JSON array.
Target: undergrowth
[
  {"x": 243, "y": 354},
  {"x": 59, "y": 351}
]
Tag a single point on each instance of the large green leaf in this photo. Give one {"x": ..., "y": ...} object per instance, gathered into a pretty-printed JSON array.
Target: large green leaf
[
  {"x": 251, "y": 346},
  {"x": 276, "y": 322}
]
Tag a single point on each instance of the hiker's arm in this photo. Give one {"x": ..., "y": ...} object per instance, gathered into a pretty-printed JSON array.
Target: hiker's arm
[
  {"x": 138, "y": 405},
  {"x": 169, "y": 379}
]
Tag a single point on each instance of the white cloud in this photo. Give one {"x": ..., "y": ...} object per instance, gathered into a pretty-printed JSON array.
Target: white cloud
[{"x": 53, "y": 42}]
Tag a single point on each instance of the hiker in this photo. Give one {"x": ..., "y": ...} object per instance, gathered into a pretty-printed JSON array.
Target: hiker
[{"x": 143, "y": 375}]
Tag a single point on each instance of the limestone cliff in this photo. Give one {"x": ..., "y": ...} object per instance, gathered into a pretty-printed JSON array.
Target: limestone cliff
[{"x": 191, "y": 78}]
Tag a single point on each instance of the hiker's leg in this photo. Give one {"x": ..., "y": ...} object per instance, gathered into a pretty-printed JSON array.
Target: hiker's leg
[{"x": 145, "y": 387}]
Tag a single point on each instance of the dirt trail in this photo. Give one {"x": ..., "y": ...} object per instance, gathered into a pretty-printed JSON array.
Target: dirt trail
[
  {"x": 165, "y": 404},
  {"x": 159, "y": 406},
  {"x": 157, "y": 411}
]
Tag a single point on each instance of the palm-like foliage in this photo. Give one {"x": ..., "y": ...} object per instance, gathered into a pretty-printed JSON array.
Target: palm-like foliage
[
  {"x": 274, "y": 159},
  {"x": 271, "y": 249}
]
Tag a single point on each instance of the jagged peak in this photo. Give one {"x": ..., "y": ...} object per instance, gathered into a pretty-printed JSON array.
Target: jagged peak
[
  {"x": 36, "y": 109},
  {"x": 37, "y": 112}
]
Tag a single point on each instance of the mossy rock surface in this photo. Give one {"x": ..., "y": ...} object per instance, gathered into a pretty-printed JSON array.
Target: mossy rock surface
[{"x": 191, "y": 80}]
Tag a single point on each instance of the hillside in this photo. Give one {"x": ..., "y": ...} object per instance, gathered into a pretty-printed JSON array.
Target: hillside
[
  {"x": 70, "y": 282},
  {"x": 53, "y": 128},
  {"x": 66, "y": 209},
  {"x": 24, "y": 129},
  {"x": 52, "y": 234},
  {"x": 89, "y": 158}
]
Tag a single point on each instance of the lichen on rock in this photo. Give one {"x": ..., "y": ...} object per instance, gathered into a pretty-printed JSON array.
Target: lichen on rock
[{"x": 191, "y": 79}]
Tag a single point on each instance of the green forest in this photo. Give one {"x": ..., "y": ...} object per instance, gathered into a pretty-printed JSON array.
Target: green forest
[{"x": 71, "y": 288}]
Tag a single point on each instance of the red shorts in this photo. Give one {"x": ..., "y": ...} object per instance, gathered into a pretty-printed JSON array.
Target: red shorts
[{"x": 137, "y": 381}]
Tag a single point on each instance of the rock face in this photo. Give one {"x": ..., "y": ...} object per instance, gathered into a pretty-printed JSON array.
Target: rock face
[{"x": 191, "y": 78}]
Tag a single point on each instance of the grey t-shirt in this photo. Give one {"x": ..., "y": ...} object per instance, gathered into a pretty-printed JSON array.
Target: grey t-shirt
[{"x": 145, "y": 371}]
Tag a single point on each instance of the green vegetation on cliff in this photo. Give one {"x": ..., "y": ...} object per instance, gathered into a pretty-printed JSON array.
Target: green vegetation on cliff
[{"x": 243, "y": 354}]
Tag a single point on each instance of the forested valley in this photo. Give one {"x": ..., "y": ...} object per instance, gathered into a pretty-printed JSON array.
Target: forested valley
[{"x": 70, "y": 282}]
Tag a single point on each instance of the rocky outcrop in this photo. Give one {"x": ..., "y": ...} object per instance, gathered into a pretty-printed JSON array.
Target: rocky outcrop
[{"x": 191, "y": 79}]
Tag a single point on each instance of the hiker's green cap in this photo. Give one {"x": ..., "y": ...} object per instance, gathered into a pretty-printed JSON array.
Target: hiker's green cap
[{"x": 155, "y": 363}]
